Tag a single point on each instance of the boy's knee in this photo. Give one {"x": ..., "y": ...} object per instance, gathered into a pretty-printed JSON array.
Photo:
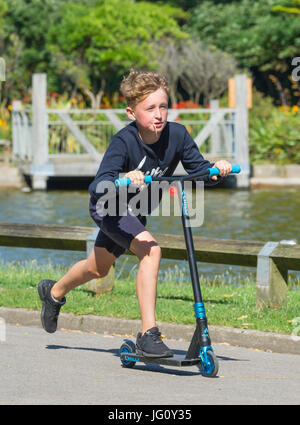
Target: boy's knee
[
  {"x": 155, "y": 251},
  {"x": 102, "y": 273},
  {"x": 146, "y": 248},
  {"x": 99, "y": 273}
]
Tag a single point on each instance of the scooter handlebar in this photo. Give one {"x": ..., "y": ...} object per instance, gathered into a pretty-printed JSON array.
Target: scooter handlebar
[{"x": 125, "y": 181}]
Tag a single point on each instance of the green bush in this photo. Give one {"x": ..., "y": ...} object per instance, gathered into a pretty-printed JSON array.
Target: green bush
[{"x": 274, "y": 132}]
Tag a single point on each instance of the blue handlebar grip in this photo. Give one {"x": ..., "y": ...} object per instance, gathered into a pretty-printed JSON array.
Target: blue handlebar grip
[
  {"x": 215, "y": 171},
  {"x": 125, "y": 181},
  {"x": 236, "y": 169}
]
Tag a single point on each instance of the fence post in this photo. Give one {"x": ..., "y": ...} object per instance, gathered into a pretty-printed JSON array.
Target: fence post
[
  {"x": 271, "y": 281},
  {"x": 39, "y": 132},
  {"x": 215, "y": 138},
  {"x": 241, "y": 130},
  {"x": 16, "y": 129}
]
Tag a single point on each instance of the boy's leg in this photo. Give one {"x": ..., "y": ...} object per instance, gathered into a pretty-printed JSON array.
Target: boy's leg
[
  {"x": 52, "y": 293},
  {"x": 145, "y": 247},
  {"x": 147, "y": 250},
  {"x": 97, "y": 265}
]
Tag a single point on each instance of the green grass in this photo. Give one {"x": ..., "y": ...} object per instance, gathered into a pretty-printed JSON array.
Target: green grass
[{"x": 226, "y": 304}]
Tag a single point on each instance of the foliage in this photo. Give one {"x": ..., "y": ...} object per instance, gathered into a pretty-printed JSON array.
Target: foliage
[
  {"x": 3, "y": 9},
  {"x": 273, "y": 132},
  {"x": 85, "y": 46},
  {"x": 258, "y": 37},
  {"x": 89, "y": 43},
  {"x": 206, "y": 72},
  {"x": 249, "y": 30},
  {"x": 22, "y": 44},
  {"x": 96, "y": 45},
  {"x": 184, "y": 4},
  {"x": 29, "y": 24},
  {"x": 202, "y": 72},
  {"x": 187, "y": 4},
  {"x": 292, "y": 6}
]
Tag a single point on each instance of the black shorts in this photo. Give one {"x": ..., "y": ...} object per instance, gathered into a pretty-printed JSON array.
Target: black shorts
[{"x": 117, "y": 232}]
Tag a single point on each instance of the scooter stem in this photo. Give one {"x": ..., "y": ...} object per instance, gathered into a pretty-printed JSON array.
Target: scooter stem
[
  {"x": 188, "y": 236},
  {"x": 201, "y": 338}
]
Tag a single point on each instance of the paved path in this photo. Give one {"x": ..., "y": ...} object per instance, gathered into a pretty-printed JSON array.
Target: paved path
[{"x": 84, "y": 368}]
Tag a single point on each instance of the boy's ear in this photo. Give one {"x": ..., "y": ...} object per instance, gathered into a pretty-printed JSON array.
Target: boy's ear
[{"x": 130, "y": 113}]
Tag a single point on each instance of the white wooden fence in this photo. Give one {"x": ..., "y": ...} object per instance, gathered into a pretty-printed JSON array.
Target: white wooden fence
[{"x": 71, "y": 142}]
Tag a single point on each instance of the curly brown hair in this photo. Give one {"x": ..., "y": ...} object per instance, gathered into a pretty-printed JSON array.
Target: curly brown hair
[{"x": 139, "y": 84}]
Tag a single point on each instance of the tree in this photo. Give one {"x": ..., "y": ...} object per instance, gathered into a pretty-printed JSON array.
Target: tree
[
  {"x": 250, "y": 31},
  {"x": 95, "y": 46},
  {"x": 259, "y": 38},
  {"x": 30, "y": 21},
  {"x": 171, "y": 64},
  {"x": 3, "y": 9},
  {"x": 183, "y": 4},
  {"x": 11, "y": 49},
  {"x": 292, "y": 6},
  {"x": 206, "y": 72},
  {"x": 23, "y": 41},
  {"x": 201, "y": 71}
]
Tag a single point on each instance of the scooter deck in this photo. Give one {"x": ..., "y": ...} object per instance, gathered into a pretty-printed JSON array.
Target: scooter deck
[{"x": 176, "y": 360}]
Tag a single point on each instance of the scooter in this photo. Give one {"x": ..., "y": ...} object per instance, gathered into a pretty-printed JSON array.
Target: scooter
[{"x": 200, "y": 351}]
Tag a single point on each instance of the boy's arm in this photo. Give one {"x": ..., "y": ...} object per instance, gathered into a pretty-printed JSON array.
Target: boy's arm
[
  {"x": 193, "y": 161},
  {"x": 112, "y": 164}
]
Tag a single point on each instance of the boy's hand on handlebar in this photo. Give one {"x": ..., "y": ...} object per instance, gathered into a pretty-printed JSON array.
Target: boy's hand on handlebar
[
  {"x": 225, "y": 168},
  {"x": 137, "y": 178}
]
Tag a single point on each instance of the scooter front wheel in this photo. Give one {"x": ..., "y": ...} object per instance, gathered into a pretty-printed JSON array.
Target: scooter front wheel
[
  {"x": 209, "y": 365},
  {"x": 126, "y": 348}
]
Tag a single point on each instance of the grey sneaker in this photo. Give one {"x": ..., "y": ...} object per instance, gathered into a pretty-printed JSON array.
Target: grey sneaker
[
  {"x": 151, "y": 345},
  {"x": 50, "y": 308}
]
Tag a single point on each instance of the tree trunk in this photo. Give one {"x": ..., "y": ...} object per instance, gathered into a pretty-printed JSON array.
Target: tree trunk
[
  {"x": 95, "y": 99},
  {"x": 173, "y": 96}
]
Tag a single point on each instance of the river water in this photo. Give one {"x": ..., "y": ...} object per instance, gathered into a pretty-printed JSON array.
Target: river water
[{"x": 257, "y": 214}]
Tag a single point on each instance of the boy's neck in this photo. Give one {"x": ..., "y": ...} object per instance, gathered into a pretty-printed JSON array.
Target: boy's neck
[
  {"x": 148, "y": 138},
  {"x": 148, "y": 141}
]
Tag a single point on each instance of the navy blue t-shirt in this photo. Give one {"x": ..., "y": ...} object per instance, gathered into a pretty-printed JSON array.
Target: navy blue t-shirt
[{"x": 127, "y": 152}]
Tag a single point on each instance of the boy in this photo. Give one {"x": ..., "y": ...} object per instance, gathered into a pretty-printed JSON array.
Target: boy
[{"x": 148, "y": 145}]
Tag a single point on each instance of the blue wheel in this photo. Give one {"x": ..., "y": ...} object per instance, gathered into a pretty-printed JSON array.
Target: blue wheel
[
  {"x": 127, "y": 347},
  {"x": 209, "y": 365}
]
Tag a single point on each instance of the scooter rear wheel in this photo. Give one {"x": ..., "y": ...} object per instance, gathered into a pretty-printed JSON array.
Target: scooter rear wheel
[{"x": 211, "y": 367}]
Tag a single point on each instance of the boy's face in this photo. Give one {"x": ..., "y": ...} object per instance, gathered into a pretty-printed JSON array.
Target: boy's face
[{"x": 150, "y": 115}]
